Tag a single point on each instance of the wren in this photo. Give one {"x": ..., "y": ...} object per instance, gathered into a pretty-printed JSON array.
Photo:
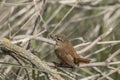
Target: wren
[{"x": 65, "y": 51}]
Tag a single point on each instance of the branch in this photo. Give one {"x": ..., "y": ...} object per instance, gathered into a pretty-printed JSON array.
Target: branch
[
  {"x": 95, "y": 64},
  {"x": 113, "y": 55},
  {"x": 6, "y": 45},
  {"x": 99, "y": 64},
  {"x": 95, "y": 41}
]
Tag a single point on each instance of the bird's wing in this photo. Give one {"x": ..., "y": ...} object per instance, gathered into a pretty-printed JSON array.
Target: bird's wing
[
  {"x": 66, "y": 57},
  {"x": 69, "y": 49},
  {"x": 77, "y": 59}
]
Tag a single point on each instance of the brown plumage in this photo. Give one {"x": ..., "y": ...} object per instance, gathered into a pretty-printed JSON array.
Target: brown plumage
[{"x": 65, "y": 51}]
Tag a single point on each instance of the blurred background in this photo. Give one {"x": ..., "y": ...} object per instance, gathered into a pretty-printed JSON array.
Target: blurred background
[{"x": 81, "y": 21}]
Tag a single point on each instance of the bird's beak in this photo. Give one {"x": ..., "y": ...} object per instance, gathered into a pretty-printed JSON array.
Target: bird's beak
[{"x": 52, "y": 36}]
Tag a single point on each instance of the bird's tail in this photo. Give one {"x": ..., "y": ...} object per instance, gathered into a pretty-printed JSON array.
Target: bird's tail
[{"x": 83, "y": 60}]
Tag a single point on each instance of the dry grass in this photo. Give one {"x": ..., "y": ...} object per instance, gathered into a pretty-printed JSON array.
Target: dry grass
[{"x": 29, "y": 23}]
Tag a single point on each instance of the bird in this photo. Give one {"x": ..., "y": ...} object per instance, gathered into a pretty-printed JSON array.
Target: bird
[{"x": 65, "y": 51}]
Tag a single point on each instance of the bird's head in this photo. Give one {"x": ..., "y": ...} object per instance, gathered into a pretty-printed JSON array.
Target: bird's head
[{"x": 59, "y": 38}]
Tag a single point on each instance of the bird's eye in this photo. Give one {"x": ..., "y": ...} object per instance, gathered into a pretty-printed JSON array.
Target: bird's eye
[{"x": 58, "y": 39}]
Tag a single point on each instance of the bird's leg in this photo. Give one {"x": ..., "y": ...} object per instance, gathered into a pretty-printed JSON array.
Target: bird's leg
[
  {"x": 56, "y": 63},
  {"x": 61, "y": 64}
]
